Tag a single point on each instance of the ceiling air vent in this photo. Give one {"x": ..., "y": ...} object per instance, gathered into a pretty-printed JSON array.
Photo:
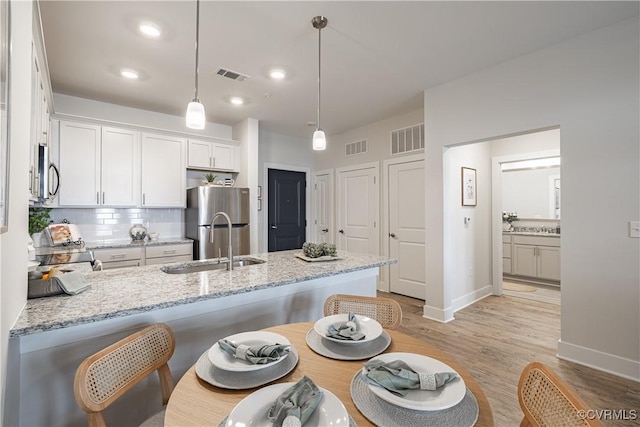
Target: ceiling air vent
[
  {"x": 407, "y": 139},
  {"x": 358, "y": 147},
  {"x": 233, "y": 75}
]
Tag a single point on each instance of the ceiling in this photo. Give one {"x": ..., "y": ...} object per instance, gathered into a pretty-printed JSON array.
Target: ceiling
[{"x": 377, "y": 57}]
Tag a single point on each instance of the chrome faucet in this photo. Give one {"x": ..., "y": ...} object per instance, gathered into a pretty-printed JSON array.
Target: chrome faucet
[{"x": 211, "y": 239}]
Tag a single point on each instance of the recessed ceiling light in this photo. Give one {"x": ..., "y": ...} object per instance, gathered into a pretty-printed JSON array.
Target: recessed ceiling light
[
  {"x": 236, "y": 100},
  {"x": 149, "y": 29},
  {"x": 277, "y": 74},
  {"x": 129, "y": 74}
]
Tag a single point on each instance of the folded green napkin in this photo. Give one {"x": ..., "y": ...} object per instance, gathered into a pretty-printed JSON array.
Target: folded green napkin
[
  {"x": 255, "y": 354},
  {"x": 71, "y": 283},
  {"x": 349, "y": 330},
  {"x": 398, "y": 377},
  {"x": 296, "y": 403}
]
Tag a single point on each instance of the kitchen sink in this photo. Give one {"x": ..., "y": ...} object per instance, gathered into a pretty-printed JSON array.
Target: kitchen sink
[{"x": 208, "y": 266}]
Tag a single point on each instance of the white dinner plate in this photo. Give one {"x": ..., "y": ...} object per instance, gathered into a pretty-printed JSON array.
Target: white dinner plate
[
  {"x": 422, "y": 400},
  {"x": 252, "y": 410},
  {"x": 32, "y": 265},
  {"x": 369, "y": 327},
  {"x": 223, "y": 360}
]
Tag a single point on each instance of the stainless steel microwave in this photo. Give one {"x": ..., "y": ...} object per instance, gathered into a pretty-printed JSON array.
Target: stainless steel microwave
[{"x": 48, "y": 178}]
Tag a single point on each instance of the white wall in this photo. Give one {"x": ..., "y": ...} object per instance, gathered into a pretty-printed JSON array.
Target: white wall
[
  {"x": 65, "y": 105},
  {"x": 588, "y": 86},
  {"x": 285, "y": 150},
  {"x": 247, "y": 132},
  {"x": 13, "y": 271}
]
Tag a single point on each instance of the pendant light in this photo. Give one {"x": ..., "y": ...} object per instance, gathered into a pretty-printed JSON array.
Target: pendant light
[
  {"x": 195, "y": 110},
  {"x": 319, "y": 139}
]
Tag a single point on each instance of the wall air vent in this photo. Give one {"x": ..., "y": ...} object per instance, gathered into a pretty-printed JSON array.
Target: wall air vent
[
  {"x": 354, "y": 148},
  {"x": 407, "y": 139},
  {"x": 233, "y": 75}
]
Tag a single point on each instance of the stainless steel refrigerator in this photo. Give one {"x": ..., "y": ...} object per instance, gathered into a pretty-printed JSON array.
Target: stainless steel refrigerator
[{"x": 204, "y": 202}]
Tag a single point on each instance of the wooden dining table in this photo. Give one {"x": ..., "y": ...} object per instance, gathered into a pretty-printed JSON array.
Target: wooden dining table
[{"x": 195, "y": 402}]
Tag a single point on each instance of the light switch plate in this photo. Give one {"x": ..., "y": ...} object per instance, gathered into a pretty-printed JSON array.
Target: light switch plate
[{"x": 634, "y": 228}]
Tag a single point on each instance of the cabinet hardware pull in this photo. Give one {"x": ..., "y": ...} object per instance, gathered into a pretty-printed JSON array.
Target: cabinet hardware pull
[
  {"x": 118, "y": 256},
  {"x": 392, "y": 235},
  {"x": 214, "y": 162},
  {"x": 103, "y": 197},
  {"x": 97, "y": 197},
  {"x": 144, "y": 198},
  {"x": 341, "y": 231},
  {"x": 325, "y": 230},
  {"x": 169, "y": 252}
]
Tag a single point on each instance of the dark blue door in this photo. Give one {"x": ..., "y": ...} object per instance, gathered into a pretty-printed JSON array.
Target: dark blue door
[{"x": 287, "y": 212}]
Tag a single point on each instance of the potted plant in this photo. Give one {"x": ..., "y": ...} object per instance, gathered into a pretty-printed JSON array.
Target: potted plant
[
  {"x": 210, "y": 179},
  {"x": 39, "y": 219}
]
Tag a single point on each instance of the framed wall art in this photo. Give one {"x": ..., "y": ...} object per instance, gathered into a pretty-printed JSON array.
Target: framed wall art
[{"x": 469, "y": 187}]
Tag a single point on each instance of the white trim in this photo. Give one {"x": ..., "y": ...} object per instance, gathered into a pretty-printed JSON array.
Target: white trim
[
  {"x": 616, "y": 365},
  {"x": 437, "y": 314},
  {"x": 265, "y": 198},
  {"x": 385, "y": 272},
  {"x": 471, "y": 298},
  {"x": 314, "y": 212},
  {"x": 496, "y": 208}
]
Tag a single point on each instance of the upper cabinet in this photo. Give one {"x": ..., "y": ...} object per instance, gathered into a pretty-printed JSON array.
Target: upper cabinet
[
  {"x": 207, "y": 155},
  {"x": 40, "y": 128},
  {"x": 163, "y": 171},
  {"x": 100, "y": 166}
]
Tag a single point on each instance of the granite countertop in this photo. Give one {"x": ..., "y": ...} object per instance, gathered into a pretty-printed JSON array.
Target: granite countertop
[
  {"x": 126, "y": 291},
  {"x": 530, "y": 233},
  {"x": 107, "y": 244}
]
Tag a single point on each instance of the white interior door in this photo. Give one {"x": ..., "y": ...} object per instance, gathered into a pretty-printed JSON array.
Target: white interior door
[
  {"x": 406, "y": 228},
  {"x": 358, "y": 209},
  {"x": 323, "y": 231}
]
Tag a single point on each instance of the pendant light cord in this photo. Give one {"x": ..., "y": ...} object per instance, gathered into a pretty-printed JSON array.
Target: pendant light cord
[
  {"x": 319, "y": 70},
  {"x": 197, "y": 42}
]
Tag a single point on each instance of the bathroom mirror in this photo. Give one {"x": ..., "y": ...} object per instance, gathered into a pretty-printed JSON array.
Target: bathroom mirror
[{"x": 532, "y": 190}]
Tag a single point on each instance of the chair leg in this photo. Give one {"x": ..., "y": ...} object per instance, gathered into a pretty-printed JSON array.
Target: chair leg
[
  {"x": 166, "y": 382},
  {"x": 524, "y": 422},
  {"x": 96, "y": 419}
]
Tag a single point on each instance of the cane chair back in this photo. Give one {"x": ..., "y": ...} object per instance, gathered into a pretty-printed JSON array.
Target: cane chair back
[
  {"x": 546, "y": 400},
  {"x": 106, "y": 375},
  {"x": 385, "y": 310}
]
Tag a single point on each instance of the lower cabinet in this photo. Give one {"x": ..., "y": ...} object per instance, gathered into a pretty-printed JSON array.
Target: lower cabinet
[
  {"x": 164, "y": 254},
  {"x": 147, "y": 255},
  {"x": 506, "y": 254},
  {"x": 119, "y": 257},
  {"x": 535, "y": 256}
]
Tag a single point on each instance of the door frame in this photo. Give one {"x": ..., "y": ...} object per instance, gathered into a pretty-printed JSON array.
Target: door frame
[
  {"x": 385, "y": 271},
  {"x": 265, "y": 198},
  {"x": 314, "y": 213},
  {"x": 496, "y": 208}
]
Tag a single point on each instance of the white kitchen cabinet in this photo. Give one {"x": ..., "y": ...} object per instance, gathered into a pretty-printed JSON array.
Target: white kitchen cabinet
[
  {"x": 40, "y": 128},
  {"x": 164, "y": 254},
  {"x": 506, "y": 254},
  {"x": 163, "y": 171},
  {"x": 208, "y": 155},
  {"x": 99, "y": 166},
  {"x": 119, "y": 257},
  {"x": 537, "y": 257}
]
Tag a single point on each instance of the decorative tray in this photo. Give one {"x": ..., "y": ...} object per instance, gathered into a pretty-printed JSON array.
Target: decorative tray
[{"x": 318, "y": 259}]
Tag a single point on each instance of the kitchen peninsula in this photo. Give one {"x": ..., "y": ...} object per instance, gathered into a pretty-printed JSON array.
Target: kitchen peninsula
[{"x": 53, "y": 335}]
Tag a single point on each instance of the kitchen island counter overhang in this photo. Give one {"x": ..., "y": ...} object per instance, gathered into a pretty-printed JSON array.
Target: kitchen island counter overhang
[{"x": 200, "y": 307}]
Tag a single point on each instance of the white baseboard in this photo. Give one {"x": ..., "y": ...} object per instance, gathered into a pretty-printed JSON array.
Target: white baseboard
[
  {"x": 470, "y": 298},
  {"x": 437, "y": 314},
  {"x": 625, "y": 368}
]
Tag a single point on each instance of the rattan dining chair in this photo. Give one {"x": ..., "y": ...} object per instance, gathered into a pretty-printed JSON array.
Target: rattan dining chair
[
  {"x": 546, "y": 400},
  {"x": 385, "y": 310},
  {"x": 106, "y": 375}
]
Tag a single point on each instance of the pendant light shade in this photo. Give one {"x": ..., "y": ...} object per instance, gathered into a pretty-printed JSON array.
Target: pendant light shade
[
  {"x": 319, "y": 138},
  {"x": 196, "y": 116}
]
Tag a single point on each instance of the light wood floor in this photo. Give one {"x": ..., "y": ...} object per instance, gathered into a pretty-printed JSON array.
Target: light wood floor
[{"x": 497, "y": 337}]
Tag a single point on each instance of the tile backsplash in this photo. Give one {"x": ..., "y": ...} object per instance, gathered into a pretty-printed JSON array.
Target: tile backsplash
[{"x": 113, "y": 224}]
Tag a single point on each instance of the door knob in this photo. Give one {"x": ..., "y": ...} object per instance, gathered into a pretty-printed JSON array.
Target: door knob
[
  {"x": 392, "y": 235},
  {"x": 325, "y": 230},
  {"x": 274, "y": 227},
  {"x": 341, "y": 231}
]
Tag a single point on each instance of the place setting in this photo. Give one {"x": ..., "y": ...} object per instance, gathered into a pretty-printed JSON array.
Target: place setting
[
  {"x": 348, "y": 336},
  {"x": 412, "y": 389},
  {"x": 290, "y": 404},
  {"x": 247, "y": 360}
]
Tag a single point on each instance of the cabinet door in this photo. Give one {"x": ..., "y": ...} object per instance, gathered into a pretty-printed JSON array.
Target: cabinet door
[
  {"x": 120, "y": 167},
  {"x": 222, "y": 157},
  {"x": 200, "y": 155},
  {"x": 79, "y": 164},
  {"x": 549, "y": 262},
  {"x": 523, "y": 259},
  {"x": 164, "y": 173}
]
